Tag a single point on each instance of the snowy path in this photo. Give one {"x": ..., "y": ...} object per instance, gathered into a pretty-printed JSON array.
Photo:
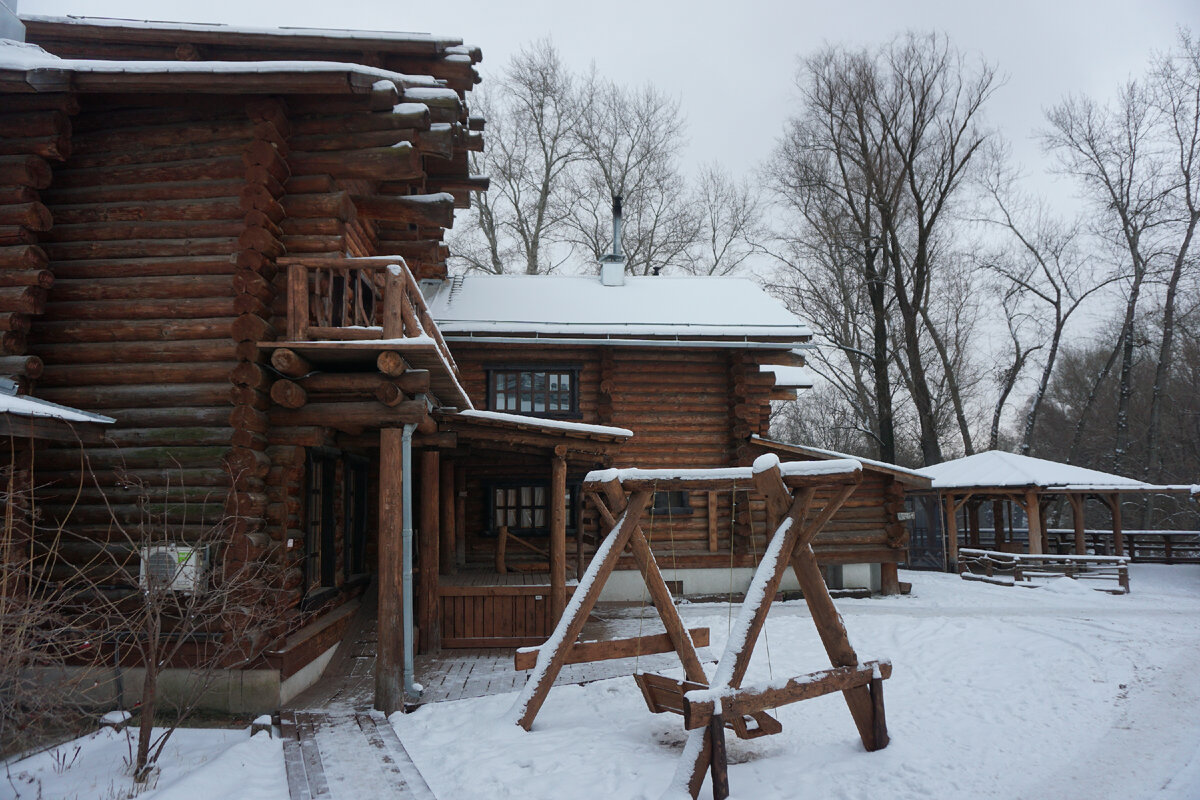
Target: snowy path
[
  {"x": 348, "y": 757},
  {"x": 997, "y": 692}
]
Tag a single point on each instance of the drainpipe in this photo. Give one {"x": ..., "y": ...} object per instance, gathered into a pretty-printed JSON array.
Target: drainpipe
[{"x": 411, "y": 689}]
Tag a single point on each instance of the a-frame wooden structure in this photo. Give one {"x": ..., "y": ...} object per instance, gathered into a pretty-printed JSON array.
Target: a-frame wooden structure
[{"x": 801, "y": 497}]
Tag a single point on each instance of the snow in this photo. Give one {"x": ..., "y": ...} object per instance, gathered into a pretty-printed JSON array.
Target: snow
[
  {"x": 790, "y": 377},
  {"x": 115, "y": 718},
  {"x": 26, "y": 56},
  {"x": 998, "y": 468},
  {"x": 32, "y": 407},
  {"x": 821, "y": 452},
  {"x": 995, "y": 693},
  {"x": 652, "y": 306},
  {"x": 556, "y": 424},
  {"x": 831, "y": 467},
  {"x": 215, "y": 27},
  {"x": 197, "y": 763}
]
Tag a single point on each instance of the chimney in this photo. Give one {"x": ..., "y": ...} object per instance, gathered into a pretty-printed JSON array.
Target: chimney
[
  {"x": 612, "y": 265},
  {"x": 11, "y": 26}
]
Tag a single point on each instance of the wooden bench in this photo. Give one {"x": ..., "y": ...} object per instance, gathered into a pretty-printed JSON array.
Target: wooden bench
[{"x": 1020, "y": 569}]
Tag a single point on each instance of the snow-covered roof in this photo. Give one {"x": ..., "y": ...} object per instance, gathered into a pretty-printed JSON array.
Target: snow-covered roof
[
  {"x": 583, "y": 306},
  {"x": 32, "y": 407},
  {"x": 541, "y": 422},
  {"x": 909, "y": 476},
  {"x": 998, "y": 468},
  {"x": 223, "y": 29},
  {"x": 26, "y": 56}
]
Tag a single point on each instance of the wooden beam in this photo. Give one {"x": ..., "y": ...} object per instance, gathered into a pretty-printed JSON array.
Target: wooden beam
[
  {"x": 614, "y": 648},
  {"x": 389, "y": 654},
  {"x": 558, "y": 534},
  {"x": 747, "y": 700},
  {"x": 1076, "y": 502},
  {"x": 429, "y": 539},
  {"x": 951, "y": 533},
  {"x": 1118, "y": 535},
  {"x": 713, "y": 540}
]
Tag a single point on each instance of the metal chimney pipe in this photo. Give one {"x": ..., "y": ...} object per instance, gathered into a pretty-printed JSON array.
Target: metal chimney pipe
[
  {"x": 616, "y": 225},
  {"x": 11, "y": 26}
]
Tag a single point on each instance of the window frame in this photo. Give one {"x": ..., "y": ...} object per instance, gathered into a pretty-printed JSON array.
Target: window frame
[
  {"x": 573, "y": 370},
  {"x": 678, "y": 503},
  {"x": 493, "y": 528}
]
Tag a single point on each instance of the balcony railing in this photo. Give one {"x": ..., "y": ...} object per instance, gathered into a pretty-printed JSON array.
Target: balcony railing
[{"x": 358, "y": 299}]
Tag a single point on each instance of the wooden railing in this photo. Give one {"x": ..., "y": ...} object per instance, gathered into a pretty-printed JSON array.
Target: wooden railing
[
  {"x": 1019, "y": 569},
  {"x": 353, "y": 299}
]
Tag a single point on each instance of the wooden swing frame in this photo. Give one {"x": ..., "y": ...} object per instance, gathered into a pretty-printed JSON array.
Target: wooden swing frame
[{"x": 798, "y": 515}]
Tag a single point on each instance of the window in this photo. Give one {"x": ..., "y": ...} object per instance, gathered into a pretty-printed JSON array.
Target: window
[
  {"x": 675, "y": 502},
  {"x": 550, "y": 392},
  {"x": 320, "y": 524},
  {"x": 525, "y": 509}
]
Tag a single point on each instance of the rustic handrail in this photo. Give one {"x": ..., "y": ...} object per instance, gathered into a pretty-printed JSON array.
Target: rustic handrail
[{"x": 358, "y": 298}]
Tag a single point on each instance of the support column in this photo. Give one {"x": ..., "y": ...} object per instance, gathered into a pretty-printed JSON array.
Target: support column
[
  {"x": 447, "y": 528},
  {"x": 1076, "y": 502},
  {"x": 427, "y": 587},
  {"x": 1033, "y": 512},
  {"x": 558, "y": 534},
  {"x": 1118, "y": 536},
  {"x": 973, "y": 522},
  {"x": 997, "y": 524},
  {"x": 389, "y": 650},
  {"x": 951, "y": 534},
  {"x": 460, "y": 515}
]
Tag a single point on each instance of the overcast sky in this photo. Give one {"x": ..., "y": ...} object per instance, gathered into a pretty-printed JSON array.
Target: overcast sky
[{"x": 732, "y": 65}]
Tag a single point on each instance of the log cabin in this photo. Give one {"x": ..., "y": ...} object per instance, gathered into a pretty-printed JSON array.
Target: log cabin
[{"x": 232, "y": 242}]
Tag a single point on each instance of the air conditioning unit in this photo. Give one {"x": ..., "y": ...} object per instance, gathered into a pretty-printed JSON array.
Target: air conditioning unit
[{"x": 179, "y": 568}]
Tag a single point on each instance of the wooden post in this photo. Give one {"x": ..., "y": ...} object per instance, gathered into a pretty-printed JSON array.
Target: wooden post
[
  {"x": 997, "y": 524},
  {"x": 881, "y": 733},
  {"x": 889, "y": 578},
  {"x": 1118, "y": 537},
  {"x": 1033, "y": 512},
  {"x": 718, "y": 763},
  {"x": 460, "y": 515},
  {"x": 389, "y": 652},
  {"x": 558, "y": 534},
  {"x": 393, "y": 299},
  {"x": 446, "y": 526},
  {"x": 713, "y": 542},
  {"x": 951, "y": 534},
  {"x": 973, "y": 522},
  {"x": 1076, "y": 502},
  {"x": 297, "y": 321},
  {"x": 428, "y": 539}
]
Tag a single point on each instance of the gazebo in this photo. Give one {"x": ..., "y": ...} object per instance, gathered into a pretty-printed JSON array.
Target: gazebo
[{"x": 1031, "y": 483}]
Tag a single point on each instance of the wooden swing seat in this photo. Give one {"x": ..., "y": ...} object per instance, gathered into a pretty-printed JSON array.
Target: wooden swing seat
[{"x": 666, "y": 694}]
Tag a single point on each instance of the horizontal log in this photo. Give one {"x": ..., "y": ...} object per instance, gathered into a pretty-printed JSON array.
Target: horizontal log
[
  {"x": 334, "y": 205},
  {"x": 158, "y": 310},
  {"x": 173, "y": 134},
  {"x": 141, "y": 248},
  {"x": 145, "y": 395},
  {"x": 25, "y": 366},
  {"x": 133, "y": 330},
  {"x": 23, "y": 257},
  {"x": 290, "y": 363},
  {"x": 105, "y": 458},
  {"x": 749, "y": 699},
  {"x": 137, "y": 352},
  {"x": 199, "y": 169},
  {"x": 583, "y": 652},
  {"x": 58, "y": 195},
  {"x": 288, "y": 394},
  {"x": 216, "y": 208},
  {"x": 252, "y": 328},
  {"x": 22, "y": 299},
  {"x": 132, "y": 231},
  {"x": 180, "y": 286},
  {"x": 34, "y": 216},
  {"x": 25, "y": 170},
  {"x": 148, "y": 267},
  {"x": 168, "y": 437},
  {"x": 435, "y": 210},
  {"x": 413, "y": 115},
  {"x": 42, "y": 278},
  {"x": 402, "y": 162},
  {"x": 353, "y": 414}
]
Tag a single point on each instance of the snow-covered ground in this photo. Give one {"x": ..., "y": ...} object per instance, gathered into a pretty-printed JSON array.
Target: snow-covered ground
[{"x": 996, "y": 692}]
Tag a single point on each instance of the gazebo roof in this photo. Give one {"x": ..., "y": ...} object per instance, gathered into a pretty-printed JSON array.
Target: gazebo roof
[{"x": 997, "y": 469}]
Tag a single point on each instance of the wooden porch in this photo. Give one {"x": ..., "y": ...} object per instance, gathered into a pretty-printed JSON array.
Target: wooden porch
[{"x": 488, "y": 609}]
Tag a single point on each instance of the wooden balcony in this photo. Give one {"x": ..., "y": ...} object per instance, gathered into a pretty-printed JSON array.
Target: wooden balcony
[{"x": 350, "y": 313}]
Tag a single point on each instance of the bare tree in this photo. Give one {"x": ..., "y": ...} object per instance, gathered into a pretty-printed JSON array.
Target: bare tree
[
  {"x": 533, "y": 114},
  {"x": 731, "y": 223},
  {"x": 174, "y": 588},
  {"x": 630, "y": 142}
]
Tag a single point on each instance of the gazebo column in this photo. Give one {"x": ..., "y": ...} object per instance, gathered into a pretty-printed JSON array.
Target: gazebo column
[
  {"x": 951, "y": 534},
  {"x": 431, "y": 637},
  {"x": 997, "y": 524},
  {"x": 1033, "y": 512},
  {"x": 1118, "y": 536},
  {"x": 460, "y": 515},
  {"x": 558, "y": 533},
  {"x": 1076, "y": 502},
  {"x": 973, "y": 522}
]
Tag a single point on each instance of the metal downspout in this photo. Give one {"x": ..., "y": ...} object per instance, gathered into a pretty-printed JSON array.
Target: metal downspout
[{"x": 410, "y": 686}]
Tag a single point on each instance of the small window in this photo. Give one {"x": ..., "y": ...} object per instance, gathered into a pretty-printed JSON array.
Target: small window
[
  {"x": 675, "y": 502},
  {"x": 550, "y": 392},
  {"x": 525, "y": 509},
  {"x": 320, "y": 534}
]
